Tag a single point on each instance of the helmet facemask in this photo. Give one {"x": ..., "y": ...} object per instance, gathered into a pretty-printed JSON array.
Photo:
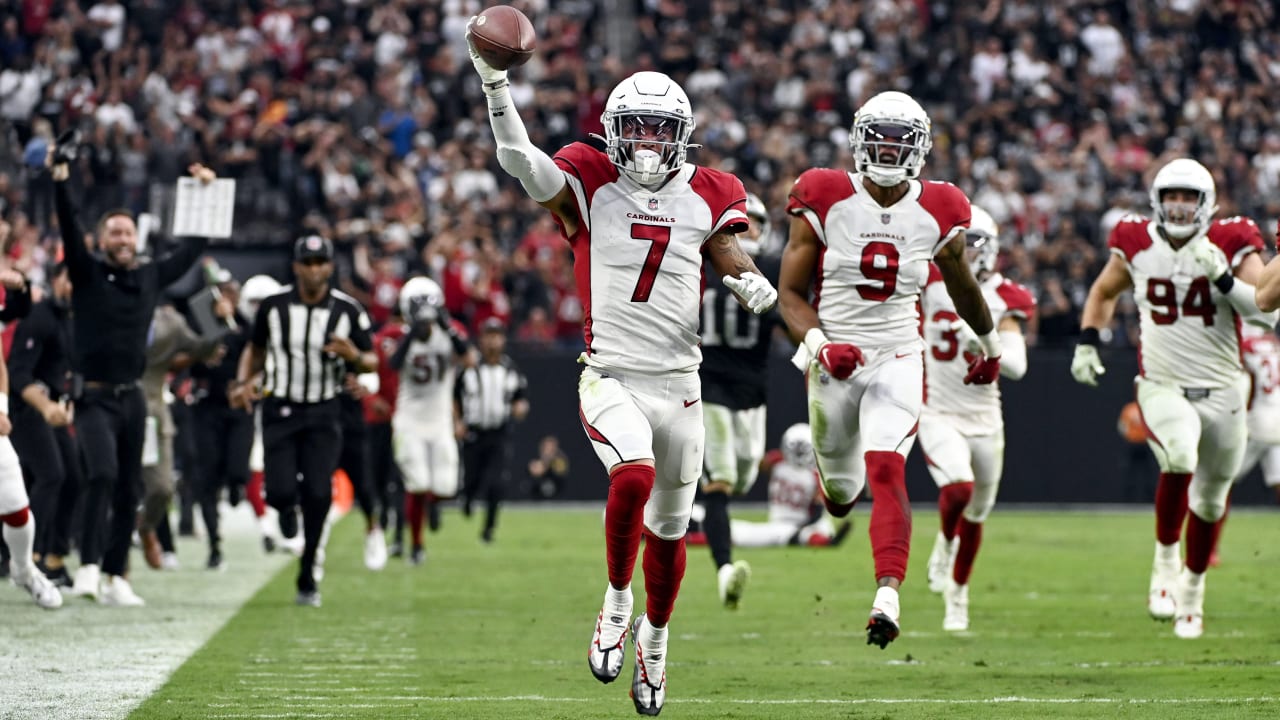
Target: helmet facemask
[
  {"x": 1182, "y": 212},
  {"x": 982, "y": 249},
  {"x": 889, "y": 151},
  {"x": 647, "y": 145}
]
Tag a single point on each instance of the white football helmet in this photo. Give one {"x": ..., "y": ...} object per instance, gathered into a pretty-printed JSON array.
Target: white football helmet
[
  {"x": 421, "y": 299},
  {"x": 647, "y": 108},
  {"x": 1184, "y": 174},
  {"x": 759, "y": 217},
  {"x": 797, "y": 446},
  {"x": 890, "y": 138},
  {"x": 983, "y": 236},
  {"x": 254, "y": 291}
]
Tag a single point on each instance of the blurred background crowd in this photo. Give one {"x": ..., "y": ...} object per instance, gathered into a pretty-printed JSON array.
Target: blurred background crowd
[{"x": 362, "y": 120}]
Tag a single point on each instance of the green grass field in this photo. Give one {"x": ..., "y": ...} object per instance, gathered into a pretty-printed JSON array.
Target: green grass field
[{"x": 1059, "y": 630}]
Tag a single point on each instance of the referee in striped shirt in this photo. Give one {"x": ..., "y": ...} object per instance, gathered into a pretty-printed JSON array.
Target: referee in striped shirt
[
  {"x": 491, "y": 394},
  {"x": 304, "y": 340}
]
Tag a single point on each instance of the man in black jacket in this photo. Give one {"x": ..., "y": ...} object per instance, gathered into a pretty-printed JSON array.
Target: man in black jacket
[{"x": 113, "y": 301}]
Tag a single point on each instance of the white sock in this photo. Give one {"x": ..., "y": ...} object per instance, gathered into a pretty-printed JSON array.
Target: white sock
[
  {"x": 887, "y": 601},
  {"x": 1168, "y": 555},
  {"x": 1193, "y": 579},
  {"x": 20, "y": 540},
  {"x": 618, "y": 598},
  {"x": 652, "y": 637}
]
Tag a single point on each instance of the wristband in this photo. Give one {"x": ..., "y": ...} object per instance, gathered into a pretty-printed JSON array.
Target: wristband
[
  {"x": 4, "y": 403},
  {"x": 814, "y": 340},
  {"x": 1225, "y": 282},
  {"x": 1089, "y": 336},
  {"x": 990, "y": 344}
]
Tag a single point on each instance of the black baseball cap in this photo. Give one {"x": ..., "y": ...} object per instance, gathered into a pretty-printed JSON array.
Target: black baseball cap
[{"x": 312, "y": 246}]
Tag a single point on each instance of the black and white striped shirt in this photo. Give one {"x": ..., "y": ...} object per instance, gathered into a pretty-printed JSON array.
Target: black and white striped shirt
[
  {"x": 486, "y": 393},
  {"x": 292, "y": 333}
]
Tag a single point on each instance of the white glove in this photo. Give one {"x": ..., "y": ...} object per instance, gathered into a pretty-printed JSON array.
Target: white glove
[
  {"x": 1210, "y": 258},
  {"x": 1086, "y": 366},
  {"x": 488, "y": 75},
  {"x": 754, "y": 290},
  {"x": 965, "y": 337}
]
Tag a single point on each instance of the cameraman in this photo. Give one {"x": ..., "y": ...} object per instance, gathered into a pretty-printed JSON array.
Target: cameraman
[{"x": 113, "y": 299}]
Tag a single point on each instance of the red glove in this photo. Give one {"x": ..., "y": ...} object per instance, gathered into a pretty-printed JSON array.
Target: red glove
[
  {"x": 840, "y": 359},
  {"x": 983, "y": 370}
]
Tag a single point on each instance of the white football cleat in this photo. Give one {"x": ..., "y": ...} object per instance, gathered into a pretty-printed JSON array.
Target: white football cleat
[
  {"x": 86, "y": 582},
  {"x": 375, "y": 549},
  {"x": 883, "y": 626},
  {"x": 44, "y": 592},
  {"x": 1190, "y": 621},
  {"x": 649, "y": 676},
  {"x": 609, "y": 640},
  {"x": 1161, "y": 603},
  {"x": 956, "y": 601},
  {"x": 116, "y": 591},
  {"x": 940, "y": 562},
  {"x": 733, "y": 580},
  {"x": 169, "y": 561}
]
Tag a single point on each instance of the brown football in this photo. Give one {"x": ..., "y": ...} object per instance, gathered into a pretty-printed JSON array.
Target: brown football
[{"x": 504, "y": 37}]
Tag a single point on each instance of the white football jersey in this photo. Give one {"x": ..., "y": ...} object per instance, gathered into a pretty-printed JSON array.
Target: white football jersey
[
  {"x": 1262, "y": 360},
  {"x": 637, "y": 258},
  {"x": 425, "y": 396},
  {"x": 793, "y": 489},
  {"x": 1190, "y": 334},
  {"x": 874, "y": 260},
  {"x": 946, "y": 359}
]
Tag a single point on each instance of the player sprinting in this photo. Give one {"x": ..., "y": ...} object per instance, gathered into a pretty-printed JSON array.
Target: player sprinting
[
  {"x": 962, "y": 426},
  {"x": 1192, "y": 279},
  {"x": 641, "y": 221},
  {"x": 734, "y": 374},
  {"x": 1262, "y": 361},
  {"x": 423, "y": 425},
  {"x": 852, "y": 272}
]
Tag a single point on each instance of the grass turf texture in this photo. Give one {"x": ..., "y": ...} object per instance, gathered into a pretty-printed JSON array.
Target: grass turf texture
[{"x": 1058, "y": 630}]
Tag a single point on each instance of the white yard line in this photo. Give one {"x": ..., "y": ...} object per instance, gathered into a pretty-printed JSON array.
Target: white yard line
[{"x": 99, "y": 663}]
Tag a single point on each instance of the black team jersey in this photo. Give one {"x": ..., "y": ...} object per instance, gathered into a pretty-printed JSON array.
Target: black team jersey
[{"x": 735, "y": 343}]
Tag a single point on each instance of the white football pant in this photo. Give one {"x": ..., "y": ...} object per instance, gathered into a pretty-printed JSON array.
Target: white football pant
[
  {"x": 1259, "y": 452},
  {"x": 634, "y": 416},
  {"x": 13, "y": 491},
  {"x": 735, "y": 445},
  {"x": 427, "y": 458},
  {"x": 953, "y": 457}
]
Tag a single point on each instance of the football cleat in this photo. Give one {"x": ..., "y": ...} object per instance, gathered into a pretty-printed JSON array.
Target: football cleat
[
  {"x": 955, "y": 598},
  {"x": 117, "y": 591},
  {"x": 733, "y": 580},
  {"x": 649, "y": 676},
  {"x": 608, "y": 643},
  {"x": 375, "y": 549},
  {"x": 1190, "y": 620},
  {"x": 308, "y": 598},
  {"x": 418, "y": 555},
  {"x": 44, "y": 592},
  {"x": 940, "y": 562},
  {"x": 882, "y": 626},
  {"x": 1161, "y": 603}
]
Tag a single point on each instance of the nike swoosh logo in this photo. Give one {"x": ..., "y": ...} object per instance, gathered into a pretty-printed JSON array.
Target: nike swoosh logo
[
  {"x": 899, "y": 356},
  {"x": 691, "y": 403}
]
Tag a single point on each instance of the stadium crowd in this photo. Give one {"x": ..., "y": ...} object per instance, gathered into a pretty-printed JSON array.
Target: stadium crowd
[{"x": 359, "y": 120}]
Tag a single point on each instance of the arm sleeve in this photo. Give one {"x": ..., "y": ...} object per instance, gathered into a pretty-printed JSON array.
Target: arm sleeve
[
  {"x": 1013, "y": 360},
  {"x": 174, "y": 264},
  {"x": 28, "y": 345},
  {"x": 75, "y": 254},
  {"x": 535, "y": 170},
  {"x": 17, "y": 304},
  {"x": 1241, "y": 297}
]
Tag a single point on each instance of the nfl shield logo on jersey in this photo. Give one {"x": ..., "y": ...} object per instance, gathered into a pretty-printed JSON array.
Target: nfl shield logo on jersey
[
  {"x": 884, "y": 218},
  {"x": 653, "y": 204}
]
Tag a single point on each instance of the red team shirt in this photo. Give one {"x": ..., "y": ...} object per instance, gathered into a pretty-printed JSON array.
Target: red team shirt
[
  {"x": 637, "y": 258},
  {"x": 1190, "y": 333}
]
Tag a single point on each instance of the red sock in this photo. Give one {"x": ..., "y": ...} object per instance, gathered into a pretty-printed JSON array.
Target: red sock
[
  {"x": 1200, "y": 536},
  {"x": 629, "y": 488},
  {"x": 415, "y": 507},
  {"x": 253, "y": 493},
  {"x": 1171, "y": 506},
  {"x": 664, "y": 562},
  {"x": 1217, "y": 528},
  {"x": 890, "y": 527},
  {"x": 952, "y": 500},
  {"x": 970, "y": 540}
]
